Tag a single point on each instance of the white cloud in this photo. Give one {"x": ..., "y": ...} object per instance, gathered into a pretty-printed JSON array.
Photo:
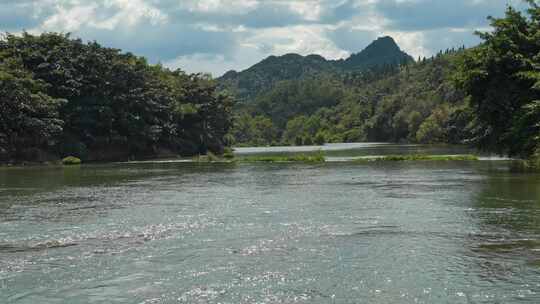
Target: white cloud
[
  {"x": 223, "y": 6},
  {"x": 132, "y": 11},
  {"x": 107, "y": 14},
  {"x": 217, "y": 35},
  {"x": 410, "y": 42},
  {"x": 69, "y": 19},
  {"x": 310, "y": 10},
  {"x": 302, "y": 39},
  {"x": 246, "y": 56}
]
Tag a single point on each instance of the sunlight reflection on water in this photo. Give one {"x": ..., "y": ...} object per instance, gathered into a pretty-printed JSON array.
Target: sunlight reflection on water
[{"x": 433, "y": 232}]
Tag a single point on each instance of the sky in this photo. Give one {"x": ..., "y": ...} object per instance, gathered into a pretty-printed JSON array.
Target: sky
[{"x": 215, "y": 36}]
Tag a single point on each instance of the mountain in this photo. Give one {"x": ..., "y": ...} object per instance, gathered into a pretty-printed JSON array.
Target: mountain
[
  {"x": 417, "y": 102},
  {"x": 383, "y": 51},
  {"x": 262, "y": 77}
]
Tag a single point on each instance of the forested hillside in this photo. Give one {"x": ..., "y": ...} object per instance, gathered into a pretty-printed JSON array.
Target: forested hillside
[
  {"x": 60, "y": 96},
  {"x": 263, "y": 76},
  {"x": 415, "y": 102},
  {"x": 487, "y": 96}
]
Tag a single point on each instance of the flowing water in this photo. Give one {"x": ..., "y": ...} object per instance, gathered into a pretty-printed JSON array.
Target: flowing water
[{"x": 336, "y": 232}]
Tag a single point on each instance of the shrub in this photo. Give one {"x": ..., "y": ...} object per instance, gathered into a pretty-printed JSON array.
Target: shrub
[
  {"x": 208, "y": 158},
  {"x": 71, "y": 161},
  {"x": 420, "y": 157},
  {"x": 317, "y": 157},
  {"x": 320, "y": 139},
  {"x": 228, "y": 153}
]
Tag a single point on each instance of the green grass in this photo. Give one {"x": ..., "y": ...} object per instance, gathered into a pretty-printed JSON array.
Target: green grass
[
  {"x": 319, "y": 157},
  {"x": 228, "y": 153},
  {"x": 303, "y": 158},
  {"x": 420, "y": 157},
  {"x": 71, "y": 161}
]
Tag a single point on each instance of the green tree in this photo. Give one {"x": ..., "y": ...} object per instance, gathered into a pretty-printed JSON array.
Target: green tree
[
  {"x": 296, "y": 130},
  {"x": 434, "y": 128},
  {"x": 502, "y": 76},
  {"x": 320, "y": 138},
  {"x": 113, "y": 105},
  {"x": 29, "y": 120}
]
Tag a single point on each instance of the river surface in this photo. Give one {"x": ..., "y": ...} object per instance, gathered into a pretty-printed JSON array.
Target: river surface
[{"x": 335, "y": 232}]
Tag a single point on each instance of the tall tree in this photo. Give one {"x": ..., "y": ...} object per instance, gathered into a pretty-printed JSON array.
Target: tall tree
[
  {"x": 502, "y": 77},
  {"x": 29, "y": 119}
]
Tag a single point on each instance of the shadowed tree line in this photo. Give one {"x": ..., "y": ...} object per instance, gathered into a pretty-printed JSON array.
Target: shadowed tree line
[{"x": 60, "y": 96}]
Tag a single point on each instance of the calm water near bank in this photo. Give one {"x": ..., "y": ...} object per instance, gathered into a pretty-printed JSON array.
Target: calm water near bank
[{"x": 335, "y": 232}]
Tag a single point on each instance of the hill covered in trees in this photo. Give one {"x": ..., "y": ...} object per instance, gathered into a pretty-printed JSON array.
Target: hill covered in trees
[
  {"x": 60, "y": 96},
  {"x": 488, "y": 96},
  {"x": 379, "y": 94},
  {"x": 415, "y": 102},
  {"x": 263, "y": 76}
]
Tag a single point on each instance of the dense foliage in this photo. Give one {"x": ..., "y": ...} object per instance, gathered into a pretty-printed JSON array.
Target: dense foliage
[
  {"x": 415, "y": 102},
  {"x": 60, "y": 96},
  {"x": 502, "y": 76}
]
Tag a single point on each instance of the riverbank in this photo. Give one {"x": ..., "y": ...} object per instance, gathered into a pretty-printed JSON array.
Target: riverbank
[{"x": 348, "y": 152}]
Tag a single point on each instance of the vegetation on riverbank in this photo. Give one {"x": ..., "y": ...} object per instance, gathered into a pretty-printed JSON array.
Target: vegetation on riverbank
[
  {"x": 419, "y": 157},
  {"x": 63, "y": 97},
  {"x": 71, "y": 161},
  {"x": 229, "y": 157},
  {"x": 302, "y": 158},
  {"x": 320, "y": 157}
]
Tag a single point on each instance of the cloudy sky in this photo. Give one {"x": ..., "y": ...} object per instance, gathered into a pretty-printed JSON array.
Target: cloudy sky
[{"x": 219, "y": 35}]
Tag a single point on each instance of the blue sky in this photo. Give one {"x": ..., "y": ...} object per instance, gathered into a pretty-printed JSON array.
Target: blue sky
[{"x": 218, "y": 35}]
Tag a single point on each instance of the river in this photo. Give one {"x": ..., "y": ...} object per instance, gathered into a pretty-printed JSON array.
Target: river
[{"x": 335, "y": 232}]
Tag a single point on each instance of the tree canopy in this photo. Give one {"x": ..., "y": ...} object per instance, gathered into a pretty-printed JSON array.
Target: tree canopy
[
  {"x": 414, "y": 102},
  {"x": 502, "y": 77},
  {"x": 61, "y": 97}
]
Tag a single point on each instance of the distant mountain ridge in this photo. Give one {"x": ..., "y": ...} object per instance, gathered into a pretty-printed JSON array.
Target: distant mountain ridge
[
  {"x": 382, "y": 51},
  {"x": 264, "y": 75}
]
